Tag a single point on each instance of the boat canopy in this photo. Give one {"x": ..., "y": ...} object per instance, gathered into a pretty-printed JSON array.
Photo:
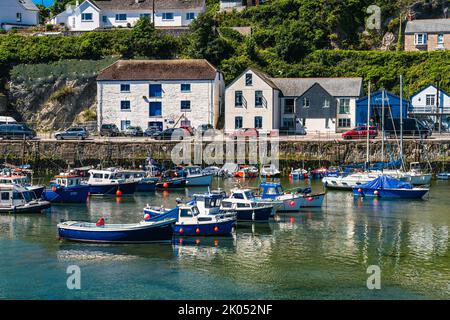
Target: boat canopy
[{"x": 385, "y": 182}]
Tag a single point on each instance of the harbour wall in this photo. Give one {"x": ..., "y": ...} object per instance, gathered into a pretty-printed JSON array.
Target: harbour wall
[{"x": 57, "y": 155}]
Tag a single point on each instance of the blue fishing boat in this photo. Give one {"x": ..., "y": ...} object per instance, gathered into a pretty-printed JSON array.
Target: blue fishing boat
[
  {"x": 387, "y": 187},
  {"x": 247, "y": 208},
  {"x": 171, "y": 179},
  {"x": 105, "y": 182},
  {"x": 66, "y": 188},
  {"x": 142, "y": 232},
  {"x": 195, "y": 176},
  {"x": 144, "y": 182},
  {"x": 160, "y": 213}
]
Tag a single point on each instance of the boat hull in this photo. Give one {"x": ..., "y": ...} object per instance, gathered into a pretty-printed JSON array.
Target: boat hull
[
  {"x": 253, "y": 214},
  {"x": 196, "y": 181},
  {"x": 127, "y": 188},
  {"x": 156, "y": 215},
  {"x": 76, "y": 194},
  {"x": 223, "y": 228},
  {"x": 390, "y": 193},
  {"x": 146, "y": 185},
  {"x": 443, "y": 176},
  {"x": 37, "y": 207},
  {"x": 171, "y": 184},
  {"x": 299, "y": 202},
  {"x": 158, "y": 232}
]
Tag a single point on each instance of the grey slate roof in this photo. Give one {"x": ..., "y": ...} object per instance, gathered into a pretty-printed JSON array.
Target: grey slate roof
[
  {"x": 28, "y": 4},
  {"x": 337, "y": 87},
  {"x": 428, "y": 25},
  {"x": 148, "y": 4}
]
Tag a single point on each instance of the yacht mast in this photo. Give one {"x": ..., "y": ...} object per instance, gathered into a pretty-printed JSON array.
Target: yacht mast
[
  {"x": 367, "y": 129},
  {"x": 382, "y": 126},
  {"x": 401, "y": 120}
]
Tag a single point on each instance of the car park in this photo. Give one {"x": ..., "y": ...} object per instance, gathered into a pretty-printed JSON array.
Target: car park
[{"x": 79, "y": 133}]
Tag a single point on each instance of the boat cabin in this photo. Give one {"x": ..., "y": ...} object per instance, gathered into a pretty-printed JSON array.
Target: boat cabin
[
  {"x": 209, "y": 203},
  {"x": 193, "y": 171},
  {"x": 14, "y": 179},
  {"x": 67, "y": 180},
  {"x": 103, "y": 176},
  {"x": 14, "y": 195},
  {"x": 131, "y": 175},
  {"x": 191, "y": 215},
  {"x": 270, "y": 190}
]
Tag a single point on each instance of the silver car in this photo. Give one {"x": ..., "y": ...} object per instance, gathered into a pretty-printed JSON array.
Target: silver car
[{"x": 72, "y": 133}]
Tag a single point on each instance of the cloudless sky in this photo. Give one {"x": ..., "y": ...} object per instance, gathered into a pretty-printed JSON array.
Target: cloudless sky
[{"x": 46, "y": 2}]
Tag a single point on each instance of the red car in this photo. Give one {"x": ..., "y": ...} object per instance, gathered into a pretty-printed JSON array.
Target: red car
[
  {"x": 245, "y": 133},
  {"x": 360, "y": 132}
]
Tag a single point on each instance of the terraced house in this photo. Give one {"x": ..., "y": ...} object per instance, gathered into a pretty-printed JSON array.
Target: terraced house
[
  {"x": 103, "y": 14},
  {"x": 427, "y": 35},
  {"x": 159, "y": 93}
]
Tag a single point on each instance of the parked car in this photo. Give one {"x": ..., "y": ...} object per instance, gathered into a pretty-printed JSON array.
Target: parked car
[
  {"x": 133, "y": 131},
  {"x": 411, "y": 127},
  {"x": 151, "y": 132},
  {"x": 109, "y": 130},
  {"x": 244, "y": 133},
  {"x": 173, "y": 134},
  {"x": 360, "y": 132},
  {"x": 7, "y": 120},
  {"x": 203, "y": 129},
  {"x": 21, "y": 131},
  {"x": 72, "y": 133}
]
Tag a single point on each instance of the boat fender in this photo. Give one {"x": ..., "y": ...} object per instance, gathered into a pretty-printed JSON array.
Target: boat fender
[{"x": 292, "y": 203}]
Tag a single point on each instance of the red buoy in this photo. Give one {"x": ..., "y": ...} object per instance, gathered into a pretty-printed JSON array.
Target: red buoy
[
  {"x": 310, "y": 199},
  {"x": 54, "y": 189},
  {"x": 147, "y": 216},
  {"x": 292, "y": 203},
  {"x": 375, "y": 192},
  {"x": 216, "y": 229},
  {"x": 197, "y": 231},
  {"x": 360, "y": 190},
  {"x": 100, "y": 222},
  {"x": 118, "y": 193},
  {"x": 197, "y": 242},
  {"x": 181, "y": 230},
  {"x": 292, "y": 220},
  {"x": 165, "y": 185}
]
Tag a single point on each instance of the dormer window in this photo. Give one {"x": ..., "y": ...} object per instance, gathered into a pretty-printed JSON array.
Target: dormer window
[{"x": 420, "y": 39}]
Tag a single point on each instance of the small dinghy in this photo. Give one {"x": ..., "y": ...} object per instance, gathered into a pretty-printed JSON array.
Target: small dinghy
[
  {"x": 100, "y": 232},
  {"x": 387, "y": 187}
]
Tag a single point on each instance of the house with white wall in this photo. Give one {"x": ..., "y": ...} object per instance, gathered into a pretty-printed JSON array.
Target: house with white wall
[
  {"x": 252, "y": 100},
  {"x": 159, "y": 93},
  {"x": 102, "y": 14},
  {"x": 426, "y": 104},
  {"x": 18, "y": 14}
]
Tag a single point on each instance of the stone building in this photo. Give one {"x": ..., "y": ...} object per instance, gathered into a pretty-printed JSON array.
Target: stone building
[
  {"x": 427, "y": 35},
  {"x": 159, "y": 93}
]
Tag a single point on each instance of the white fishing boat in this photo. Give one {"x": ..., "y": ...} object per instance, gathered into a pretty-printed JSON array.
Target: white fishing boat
[
  {"x": 17, "y": 199},
  {"x": 228, "y": 169},
  {"x": 247, "y": 208},
  {"x": 195, "y": 177},
  {"x": 443, "y": 176},
  {"x": 269, "y": 171}
]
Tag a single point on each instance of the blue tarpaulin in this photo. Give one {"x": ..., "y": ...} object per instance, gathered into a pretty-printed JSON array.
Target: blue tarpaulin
[{"x": 385, "y": 182}]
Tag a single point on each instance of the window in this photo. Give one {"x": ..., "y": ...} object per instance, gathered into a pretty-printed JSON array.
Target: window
[
  {"x": 167, "y": 16},
  {"x": 420, "y": 38},
  {"x": 185, "y": 105},
  {"x": 125, "y": 105},
  {"x": 344, "y": 106},
  {"x": 238, "y": 122},
  {"x": 306, "y": 103},
  {"x": 123, "y": 125},
  {"x": 258, "y": 99},
  {"x": 155, "y": 109},
  {"x": 105, "y": 19},
  {"x": 344, "y": 123},
  {"x": 190, "y": 16},
  {"x": 5, "y": 196},
  {"x": 326, "y": 103},
  {"x": 124, "y": 88},
  {"x": 19, "y": 17},
  {"x": 289, "y": 106},
  {"x": 86, "y": 17},
  {"x": 258, "y": 122},
  {"x": 185, "y": 87},
  {"x": 430, "y": 99},
  {"x": 121, "y": 17},
  {"x": 145, "y": 15},
  {"x": 238, "y": 98},
  {"x": 248, "y": 79},
  {"x": 156, "y": 90},
  {"x": 288, "y": 122},
  {"x": 440, "y": 38}
]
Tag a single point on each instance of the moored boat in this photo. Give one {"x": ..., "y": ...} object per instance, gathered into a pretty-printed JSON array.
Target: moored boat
[
  {"x": 18, "y": 199},
  {"x": 246, "y": 207},
  {"x": 66, "y": 188},
  {"x": 298, "y": 174},
  {"x": 246, "y": 172},
  {"x": 269, "y": 171},
  {"x": 18, "y": 177},
  {"x": 443, "y": 176},
  {"x": 387, "y": 187},
  {"x": 100, "y": 232},
  {"x": 105, "y": 182},
  {"x": 195, "y": 177},
  {"x": 144, "y": 183}
]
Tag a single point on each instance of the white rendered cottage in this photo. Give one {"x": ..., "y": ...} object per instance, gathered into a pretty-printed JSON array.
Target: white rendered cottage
[
  {"x": 159, "y": 93},
  {"x": 18, "y": 14},
  {"x": 100, "y": 14}
]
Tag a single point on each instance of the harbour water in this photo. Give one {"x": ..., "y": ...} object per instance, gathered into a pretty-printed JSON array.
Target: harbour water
[{"x": 313, "y": 254}]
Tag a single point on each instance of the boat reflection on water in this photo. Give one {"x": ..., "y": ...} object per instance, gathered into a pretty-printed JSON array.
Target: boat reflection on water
[
  {"x": 204, "y": 248},
  {"x": 254, "y": 228}
]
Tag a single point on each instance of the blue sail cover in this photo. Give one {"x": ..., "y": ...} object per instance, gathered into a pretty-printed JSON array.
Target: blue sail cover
[{"x": 385, "y": 182}]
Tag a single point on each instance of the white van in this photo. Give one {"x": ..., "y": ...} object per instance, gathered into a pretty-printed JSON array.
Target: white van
[{"x": 6, "y": 120}]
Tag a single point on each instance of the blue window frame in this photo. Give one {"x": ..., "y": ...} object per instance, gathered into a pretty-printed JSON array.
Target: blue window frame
[
  {"x": 121, "y": 17},
  {"x": 258, "y": 122},
  {"x": 185, "y": 105},
  {"x": 86, "y": 17},
  {"x": 185, "y": 87},
  {"x": 105, "y": 19},
  {"x": 238, "y": 101},
  {"x": 238, "y": 122},
  {"x": 125, "y": 105},
  {"x": 190, "y": 16},
  {"x": 124, "y": 88},
  {"x": 167, "y": 16},
  {"x": 249, "y": 79},
  {"x": 155, "y": 109},
  {"x": 156, "y": 90},
  {"x": 145, "y": 15},
  {"x": 124, "y": 124}
]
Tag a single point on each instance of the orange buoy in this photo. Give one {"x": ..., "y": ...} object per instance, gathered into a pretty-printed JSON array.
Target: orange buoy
[
  {"x": 216, "y": 229},
  {"x": 118, "y": 193},
  {"x": 54, "y": 189}
]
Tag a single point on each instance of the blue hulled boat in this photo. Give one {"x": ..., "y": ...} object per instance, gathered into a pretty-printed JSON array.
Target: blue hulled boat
[
  {"x": 66, "y": 188},
  {"x": 144, "y": 182},
  {"x": 106, "y": 182},
  {"x": 142, "y": 232},
  {"x": 387, "y": 187}
]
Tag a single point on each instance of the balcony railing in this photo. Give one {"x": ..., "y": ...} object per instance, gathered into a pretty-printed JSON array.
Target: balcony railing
[{"x": 431, "y": 109}]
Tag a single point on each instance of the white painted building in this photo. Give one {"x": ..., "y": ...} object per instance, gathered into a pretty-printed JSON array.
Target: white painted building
[
  {"x": 18, "y": 14},
  {"x": 159, "y": 93},
  {"x": 425, "y": 101},
  {"x": 252, "y": 100},
  {"x": 99, "y": 14}
]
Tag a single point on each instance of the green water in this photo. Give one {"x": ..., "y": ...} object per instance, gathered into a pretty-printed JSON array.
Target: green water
[{"x": 313, "y": 254}]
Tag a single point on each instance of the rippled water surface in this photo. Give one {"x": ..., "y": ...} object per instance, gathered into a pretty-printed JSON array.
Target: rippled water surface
[{"x": 313, "y": 254}]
